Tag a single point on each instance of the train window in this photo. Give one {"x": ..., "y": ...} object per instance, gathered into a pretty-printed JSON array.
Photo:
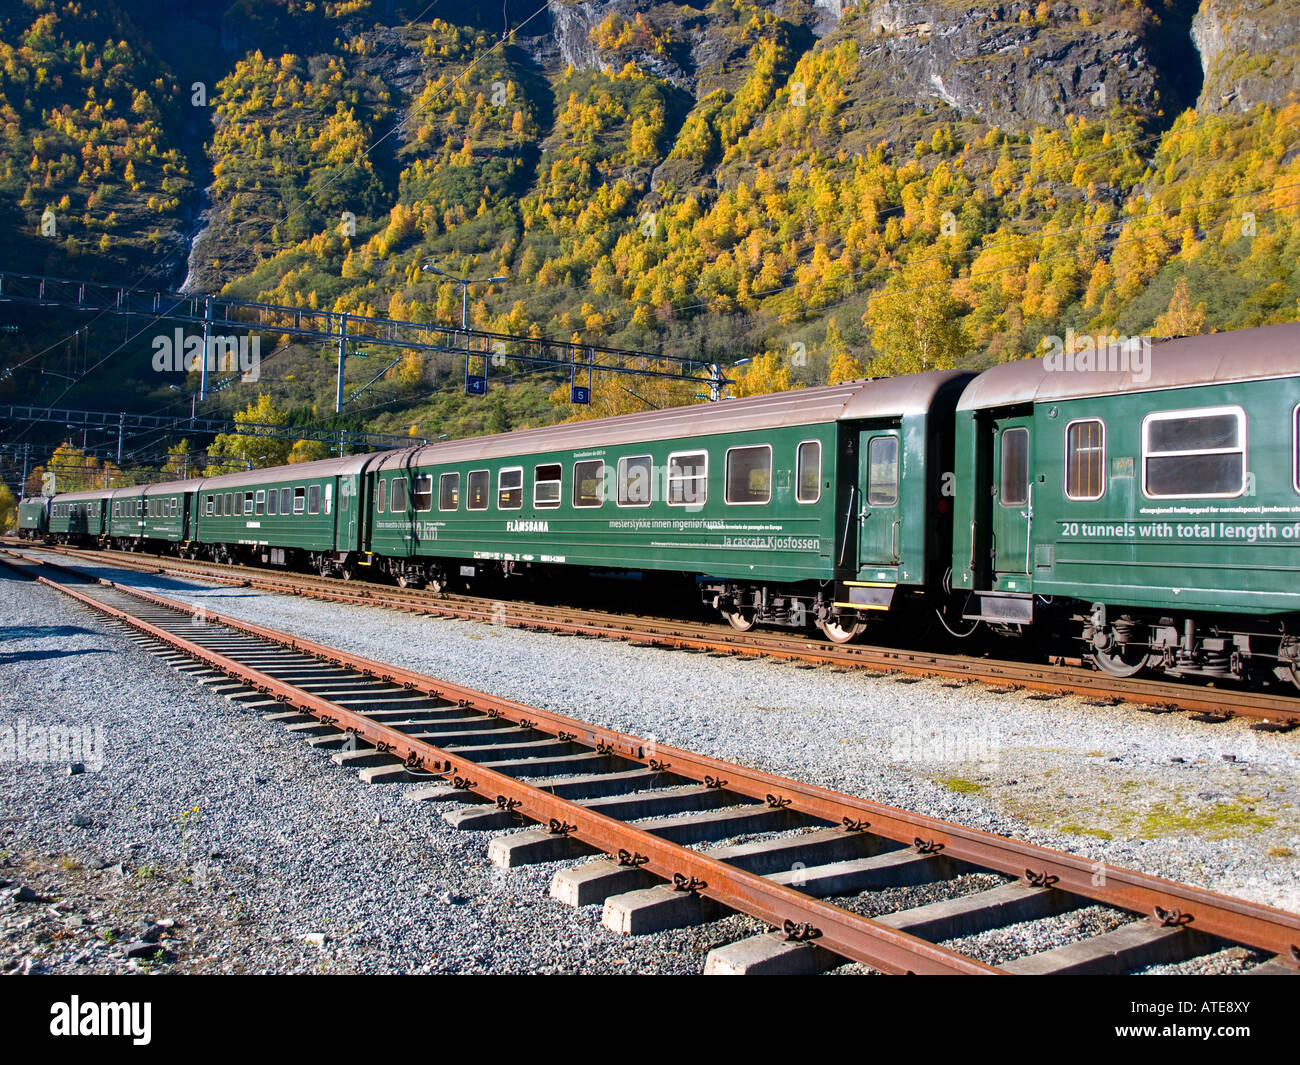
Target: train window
[
  {"x": 1014, "y": 487},
  {"x": 248, "y": 503},
  {"x": 299, "y": 500},
  {"x": 260, "y": 502},
  {"x": 286, "y": 500},
  {"x": 313, "y": 498},
  {"x": 478, "y": 490},
  {"x": 688, "y": 479},
  {"x": 1295, "y": 448},
  {"x": 749, "y": 475},
  {"x": 272, "y": 502},
  {"x": 117, "y": 509},
  {"x": 1194, "y": 454},
  {"x": 546, "y": 485},
  {"x": 397, "y": 495},
  {"x": 635, "y": 481},
  {"x": 510, "y": 488},
  {"x": 1085, "y": 459},
  {"x": 449, "y": 491},
  {"x": 588, "y": 483},
  {"x": 882, "y": 471},
  {"x": 423, "y": 493},
  {"x": 809, "y": 473},
  {"x": 381, "y": 494},
  {"x": 207, "y": 507},
  {"x": 229, "y": 500}
]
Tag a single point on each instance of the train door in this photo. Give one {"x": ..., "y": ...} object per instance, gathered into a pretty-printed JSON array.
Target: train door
[
  {"x": 880, "y": 519},
  {"x": 1013, "y": 496},
  {"x": 349, "y": 513}
]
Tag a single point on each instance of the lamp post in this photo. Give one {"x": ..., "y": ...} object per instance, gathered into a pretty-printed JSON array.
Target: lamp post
[{"x": 464, "y": 283}]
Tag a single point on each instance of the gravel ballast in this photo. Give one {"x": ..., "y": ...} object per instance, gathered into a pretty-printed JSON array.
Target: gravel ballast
[{"x": 279, "y": 844}]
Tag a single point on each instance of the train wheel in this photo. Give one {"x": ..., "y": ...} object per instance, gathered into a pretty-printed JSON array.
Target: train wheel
[
  {"x": 1121, "y": 661},
  {"x": 837, "y": 631},
  {"x": 741, "y": 621}
]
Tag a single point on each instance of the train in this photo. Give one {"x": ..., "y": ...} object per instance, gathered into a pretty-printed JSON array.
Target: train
[{"x": 1145, "y": 511}]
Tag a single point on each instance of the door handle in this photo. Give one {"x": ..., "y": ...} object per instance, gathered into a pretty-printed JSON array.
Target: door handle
[{"x": 898, "y": 524}]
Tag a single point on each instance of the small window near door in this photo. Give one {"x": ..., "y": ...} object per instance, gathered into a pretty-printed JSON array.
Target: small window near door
[
  {"x": 882, "y": 471},
  {"x": 397, "y": 496},
  {"x": 381, "y": 494},
  {"x": 809, "y": 487},
  {"x": 478, "y": 490},
  {"x": 1085, "y": 459},
  {"x": 1014, "y": 487},
  {"x": 449, "y": 491}
]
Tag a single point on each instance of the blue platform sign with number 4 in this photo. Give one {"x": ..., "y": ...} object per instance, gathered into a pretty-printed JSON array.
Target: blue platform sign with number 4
[
  {"x": 581, "y": 394},
  {"x": 475, "y": 385}
]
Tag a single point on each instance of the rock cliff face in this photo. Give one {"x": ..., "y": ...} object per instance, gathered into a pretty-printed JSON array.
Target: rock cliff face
[
  {"x": 1248, "y": 53},
  {"x": 1013, "y": 65}
]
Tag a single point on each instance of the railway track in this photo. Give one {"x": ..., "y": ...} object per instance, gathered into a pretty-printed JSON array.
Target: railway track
[
  {"x": 1268, "y": 711},
  {"x": 658, "y": 819}
]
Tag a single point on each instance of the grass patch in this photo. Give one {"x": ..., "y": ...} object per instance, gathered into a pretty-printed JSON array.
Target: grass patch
[
  {"x": 1218, "y": 822},
  {"x": 1083, "y": 830},
  {"x": 960, "y": 785}
]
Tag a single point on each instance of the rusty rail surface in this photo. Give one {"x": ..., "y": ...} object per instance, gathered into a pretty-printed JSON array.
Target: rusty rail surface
[
  {"x": 844, "y": 933},
  {"x": 1270, "y": 710}
]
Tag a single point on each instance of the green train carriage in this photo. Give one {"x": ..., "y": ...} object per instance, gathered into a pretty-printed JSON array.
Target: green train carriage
[
  {"x": 166, "y": 512},
  {"x": 815, "y": 506},
  {"x": 1153, "y": 513},
  {"x": 78, "y": 517},
  {"x": 33, "y": 518},
  {"x": 124, "y": 524},
  {"x": 307, "y": 514}
]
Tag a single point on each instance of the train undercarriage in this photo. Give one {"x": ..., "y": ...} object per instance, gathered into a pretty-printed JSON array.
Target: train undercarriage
[{"x": 1125, "y": 642}]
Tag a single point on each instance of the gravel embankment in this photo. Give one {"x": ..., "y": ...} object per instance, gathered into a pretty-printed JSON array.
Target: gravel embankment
[{"x": 301, "y": 850}]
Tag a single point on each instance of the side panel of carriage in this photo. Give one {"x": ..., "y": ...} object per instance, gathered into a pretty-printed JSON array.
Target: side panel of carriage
[
  {"x": 33, "y": 517},
  {"x": 758, "y": 504},
  {"x": 1183, "y": 498},
  {"x": 125, "y": 519},
  {"x": 293, "y": 513},
  {"x": 77, "y": 516},
  {"x": 166, "y": 513}
]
